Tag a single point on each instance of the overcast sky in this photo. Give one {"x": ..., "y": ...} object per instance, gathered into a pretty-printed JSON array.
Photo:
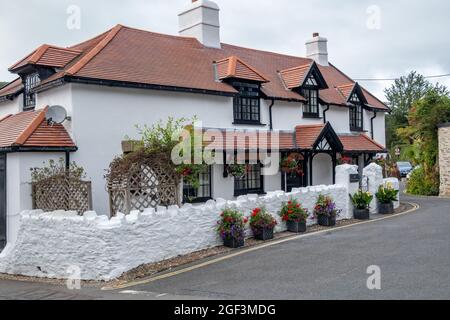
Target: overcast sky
[{"x": 367, "y": 39}]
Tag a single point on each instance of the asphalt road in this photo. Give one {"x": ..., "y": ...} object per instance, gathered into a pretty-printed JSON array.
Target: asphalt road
[{"x": 412, "y": 252}]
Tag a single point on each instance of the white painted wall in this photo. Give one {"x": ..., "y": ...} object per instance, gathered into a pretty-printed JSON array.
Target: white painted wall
[
  {"x": 18, "y": 181},
  {"x": 105, "y": 248},
  {"x": 11, "y": 107},
  {"x": 322, "y": 169}
]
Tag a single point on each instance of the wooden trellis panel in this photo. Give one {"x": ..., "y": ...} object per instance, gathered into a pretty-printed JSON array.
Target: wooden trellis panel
[
  {"x": 61, "y": 193},
  {"x": 148, "y": 184}
]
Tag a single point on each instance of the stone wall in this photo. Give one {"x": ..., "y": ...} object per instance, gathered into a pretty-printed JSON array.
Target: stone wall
[
  {"x": 50, "y": 244},
  {"x": 444, "y": 159}
]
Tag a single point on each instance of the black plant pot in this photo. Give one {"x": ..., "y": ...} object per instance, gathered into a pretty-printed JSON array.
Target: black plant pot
[
  {"x": 326, "y": 221},
  {"x": 263, "y": 234},
  {"x": 386, "y": 208},
  {"x": 296, "y": 227},
  {"x": 361, "y": 214},
  {"x": 233, "y": 243}
]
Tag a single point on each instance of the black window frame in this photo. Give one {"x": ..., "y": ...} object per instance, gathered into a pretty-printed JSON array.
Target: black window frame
[
  {"x": 241, "y": 185},
  {"x": 356, "y": 113},
  {"x": 247, "y": 104},
  {"x": 310, "y": 91},
  {"x": 190, "y": 194},
  {"x": 29, "y": 98}
]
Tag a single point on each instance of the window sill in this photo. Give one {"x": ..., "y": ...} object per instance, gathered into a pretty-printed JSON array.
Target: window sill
[
  {"x": 245, "y": 193},
  {"x": 357, "y": 129},
  {"x": 198, "y": 200},
  {"x": 252, "y": 123},
  {"x": 311, "y": 116}
]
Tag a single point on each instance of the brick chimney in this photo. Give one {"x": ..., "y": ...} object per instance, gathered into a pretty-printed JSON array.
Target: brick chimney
[
  {"x": 317, "y": 49},
  {"x": 201, "y": 20}
]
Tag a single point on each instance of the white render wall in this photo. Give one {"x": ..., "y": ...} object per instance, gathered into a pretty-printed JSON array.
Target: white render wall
[
  {"x": 48, "y": 244},
  {"x": 11, "y": 107}
]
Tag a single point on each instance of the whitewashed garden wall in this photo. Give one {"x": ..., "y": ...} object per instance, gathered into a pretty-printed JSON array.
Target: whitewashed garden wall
[{"x": 50, "y": 244}]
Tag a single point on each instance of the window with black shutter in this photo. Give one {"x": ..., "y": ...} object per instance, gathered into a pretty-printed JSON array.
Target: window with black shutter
[
  {"x": 310, "y": 91},
  {"x": 29, "y": 98},
  {"x": 356, "y": 113}
]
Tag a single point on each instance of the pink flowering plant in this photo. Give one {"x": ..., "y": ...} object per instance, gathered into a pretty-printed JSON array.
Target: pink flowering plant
[
  {"x": 325, "y": 206},
  {"x": 232, "y": 225}
]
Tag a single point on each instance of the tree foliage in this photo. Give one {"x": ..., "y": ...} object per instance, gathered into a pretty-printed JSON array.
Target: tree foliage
[{"x": 401, "y": 97}]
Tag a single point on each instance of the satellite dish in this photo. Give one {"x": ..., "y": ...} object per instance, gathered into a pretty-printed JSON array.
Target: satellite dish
[{"x": 56, "y": 115}]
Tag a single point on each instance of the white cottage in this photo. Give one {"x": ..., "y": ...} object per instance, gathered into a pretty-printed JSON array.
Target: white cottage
[{"x": 126, "y": 76}]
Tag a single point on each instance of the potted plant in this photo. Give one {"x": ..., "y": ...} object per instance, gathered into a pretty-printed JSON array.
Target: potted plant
[
  {"x": 361, "y": 202},
  {"x": 237, "y": 170},
  {"x": 262, "y": 224},
  {"x": 386, "y": 196},
  {"x": 325, "y": 211},
  {"x": 231, "y": 228},
  {"x": 295, "y": 216}
]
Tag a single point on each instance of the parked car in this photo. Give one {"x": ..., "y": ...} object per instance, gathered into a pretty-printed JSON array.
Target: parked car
[{"x": 405, "y": 168}]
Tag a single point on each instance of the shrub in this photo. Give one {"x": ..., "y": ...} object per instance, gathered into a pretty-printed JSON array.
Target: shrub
[
  {"x": 421, "y": 183},
  {"x": 232, "y": 225},
  {"x": 261, "y": 219},
  {"x": 361, "y": 200},
  {"x": 325, "y": 206},
  {"x": 57, "y": 169},
  {"x": 293, "y": 211},
  {"x": 387, "y": 194}
]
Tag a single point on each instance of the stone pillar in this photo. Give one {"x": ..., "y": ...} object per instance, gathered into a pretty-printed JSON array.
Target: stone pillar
[
  {"x": 396, "y": 185},
  {"x": 444, "y": 159},
  {"x": 343, "y": 173},
  {"x": 372, "y": 180}
]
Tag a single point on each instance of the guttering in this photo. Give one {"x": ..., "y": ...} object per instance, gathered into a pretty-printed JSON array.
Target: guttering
[
  {"x": 371, "y": 123},
  {"x": 13, "y": 149},
  {"x": 270, "y": 114}
]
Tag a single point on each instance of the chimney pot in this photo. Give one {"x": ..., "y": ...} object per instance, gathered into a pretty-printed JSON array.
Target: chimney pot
[{"x": 315, "y": 34}]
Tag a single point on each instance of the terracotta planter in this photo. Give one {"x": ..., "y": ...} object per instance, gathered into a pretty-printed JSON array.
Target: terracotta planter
[
  {"x": 233, "y": 243},
  {"x": 296, "y": 227},
  {"x": 361, "y": 214},
  {"x": 386, "y": 208},
  {"x": 263, "y": 234},
  {"x": 326, "y": 221}
]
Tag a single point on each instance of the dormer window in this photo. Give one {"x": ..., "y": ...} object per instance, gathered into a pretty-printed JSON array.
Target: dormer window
[
  {"x": 310, "y": 91},
  {"x": 247, "y": 104},
  {"x": 29, "y": 98},
  {"x": 356, "y": 113}
]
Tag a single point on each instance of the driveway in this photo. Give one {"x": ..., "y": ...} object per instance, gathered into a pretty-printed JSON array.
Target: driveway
[{"x": 411, "y": 251}]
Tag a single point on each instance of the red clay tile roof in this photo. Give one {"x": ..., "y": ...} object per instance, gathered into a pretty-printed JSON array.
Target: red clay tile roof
[
  {"x": 359, "y": 143},
  {"x": 295, "y": 77},
  {"x": 346, "y": 90},
  {"x": 136, "y": 56},
  {"x": 307, "y": 135},
  {"x": 233, "y": 67},
  {"x": 47, "y": 55},
  {"x": 12, "y": 88},
  {"x": 30, "y": 129}
]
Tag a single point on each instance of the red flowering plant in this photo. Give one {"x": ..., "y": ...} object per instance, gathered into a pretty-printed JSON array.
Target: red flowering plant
[
  {"x": 232, "y": 225},
  {"x": 260, "y": 220},
  {"x": 293, "y": 211},
  {"x": 325, "y": 206}
]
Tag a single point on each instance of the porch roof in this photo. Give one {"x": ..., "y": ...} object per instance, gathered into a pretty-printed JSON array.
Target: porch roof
[
  {"x": 360, "y": 143},
  {"x": 29, "y": 129}
]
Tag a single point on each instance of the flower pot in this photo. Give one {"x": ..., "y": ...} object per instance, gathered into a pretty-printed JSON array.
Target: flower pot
[
  {"x": 297, "y": 227},
  {"x": 233, "y": 243},
  {"x": 361, "y": 214},
  {"x": 326, "y": 221},
  {"x": 263, "y": 234},
  {"x": 386, "y": 208}
]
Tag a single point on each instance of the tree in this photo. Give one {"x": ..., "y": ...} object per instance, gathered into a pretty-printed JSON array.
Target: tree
[
  {"x": 424, "y": 118},
  {"x": 401, "y": 96}
]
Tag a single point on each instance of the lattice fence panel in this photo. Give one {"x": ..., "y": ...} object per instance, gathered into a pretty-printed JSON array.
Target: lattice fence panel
[
  {"x": 62, "y": 194},
  {"x": 148, "y": 184}
]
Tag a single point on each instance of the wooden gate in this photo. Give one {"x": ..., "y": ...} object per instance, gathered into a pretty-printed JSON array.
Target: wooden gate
[{"x": 2, "y": 201}]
